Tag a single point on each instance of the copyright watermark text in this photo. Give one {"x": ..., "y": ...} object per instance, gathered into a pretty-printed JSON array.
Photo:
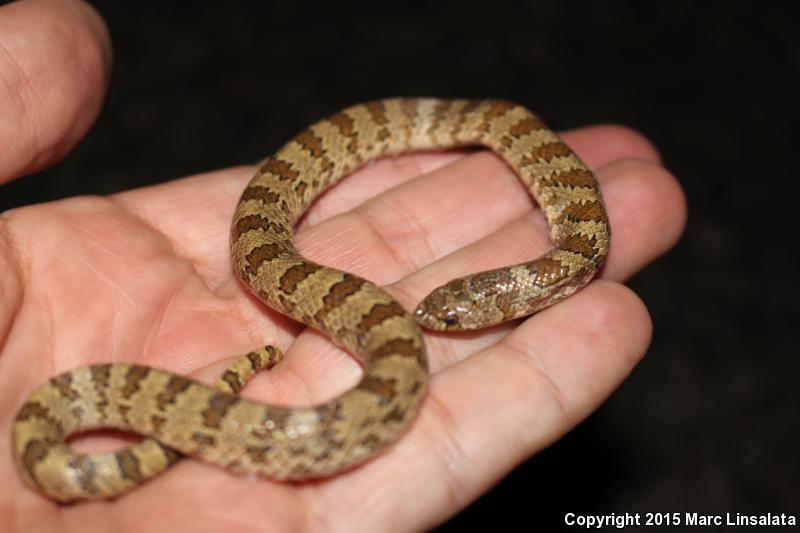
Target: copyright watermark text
[{"x": 623, "y": 520}]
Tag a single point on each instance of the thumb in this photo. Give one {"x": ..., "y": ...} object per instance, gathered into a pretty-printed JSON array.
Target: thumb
[{"x": 55, "y": 60}]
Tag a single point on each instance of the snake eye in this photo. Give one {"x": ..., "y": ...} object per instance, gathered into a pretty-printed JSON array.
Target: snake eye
[{"x": 451, "y": 320}]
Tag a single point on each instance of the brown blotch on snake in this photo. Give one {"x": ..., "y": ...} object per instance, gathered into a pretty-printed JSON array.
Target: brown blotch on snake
[{"x": 187, "y": 417}]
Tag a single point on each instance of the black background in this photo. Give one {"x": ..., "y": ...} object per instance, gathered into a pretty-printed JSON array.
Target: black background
[{"x": 708, "y": 421}]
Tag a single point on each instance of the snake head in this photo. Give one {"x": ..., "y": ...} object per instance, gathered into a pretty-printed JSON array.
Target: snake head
[{"x": 450, "y": 307}]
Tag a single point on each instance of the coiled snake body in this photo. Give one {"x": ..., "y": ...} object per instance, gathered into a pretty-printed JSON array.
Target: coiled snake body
[{"x": 181, "y": 416}]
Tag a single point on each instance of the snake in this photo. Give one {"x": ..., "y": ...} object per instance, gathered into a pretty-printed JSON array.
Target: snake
[{"x": 177, "y": 416}]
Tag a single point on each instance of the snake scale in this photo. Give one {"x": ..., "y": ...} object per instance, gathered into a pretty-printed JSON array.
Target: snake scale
[{"x": 181, "y": 416}]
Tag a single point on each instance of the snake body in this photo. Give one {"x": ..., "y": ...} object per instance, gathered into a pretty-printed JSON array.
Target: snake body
[{"x": 181, "y": 416}]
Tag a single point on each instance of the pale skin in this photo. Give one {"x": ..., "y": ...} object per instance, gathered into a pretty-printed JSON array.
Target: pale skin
[{"x": 144, "y": 276}]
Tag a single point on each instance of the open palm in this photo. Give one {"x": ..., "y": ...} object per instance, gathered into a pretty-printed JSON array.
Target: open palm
[{"x": 145, "y": 276}]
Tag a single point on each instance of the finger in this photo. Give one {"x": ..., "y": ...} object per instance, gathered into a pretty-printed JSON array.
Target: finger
[
  {"x": 423, "y": 220},
  {"x": 647, "y": 213},
  {"x": 376, "y": 178},
  {"x": 55, "y": 59},
  {"x": 204, "y": 240},
  {"x": 605, "y": 143},
  {"x": 487, "y": 414},
  {"x": 597, "y": 145},
  {"x": 451, "y": 191}
]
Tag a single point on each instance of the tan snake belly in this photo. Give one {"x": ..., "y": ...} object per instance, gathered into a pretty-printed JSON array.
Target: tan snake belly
[{"x": 181, "y": 415}]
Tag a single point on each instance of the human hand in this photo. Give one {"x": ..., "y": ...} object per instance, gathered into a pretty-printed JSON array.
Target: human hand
[{"x": 144, "y": 276}]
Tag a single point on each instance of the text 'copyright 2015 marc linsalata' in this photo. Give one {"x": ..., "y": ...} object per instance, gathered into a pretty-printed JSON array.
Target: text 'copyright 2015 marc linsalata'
[{"x": 623, "y": 520}]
